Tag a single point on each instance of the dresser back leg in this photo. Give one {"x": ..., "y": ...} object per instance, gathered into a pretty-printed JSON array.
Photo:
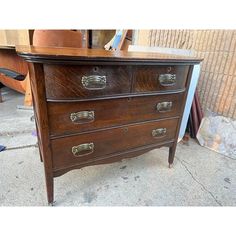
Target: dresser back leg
[{"x": 172, "y": 154}]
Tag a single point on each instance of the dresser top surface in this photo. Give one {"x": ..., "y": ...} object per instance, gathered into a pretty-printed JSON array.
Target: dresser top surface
[{"x": 32, "y": 53}]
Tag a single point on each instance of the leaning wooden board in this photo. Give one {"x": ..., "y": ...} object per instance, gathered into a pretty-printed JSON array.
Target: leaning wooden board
[{"x": 96, "y": 107}]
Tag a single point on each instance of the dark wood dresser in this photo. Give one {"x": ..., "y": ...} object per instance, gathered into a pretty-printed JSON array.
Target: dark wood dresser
[{"x": 95, "y": 107}]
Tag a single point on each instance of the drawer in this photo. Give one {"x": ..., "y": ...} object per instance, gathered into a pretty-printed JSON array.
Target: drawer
[
  {"x": 75, "y": 82},
  {"x": 72, "y": 150},
  {"x": 160, "y": 78},
  {"x": 72, "y": 117}
]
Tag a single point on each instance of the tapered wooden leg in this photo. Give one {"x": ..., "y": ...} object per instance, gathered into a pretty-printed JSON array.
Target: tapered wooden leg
[
  {"x": 28, "y": 93},
  {"x": 50, "y": 190},
  {"x": 172, "y": 154},
  {"x": 40, "y": 155}
]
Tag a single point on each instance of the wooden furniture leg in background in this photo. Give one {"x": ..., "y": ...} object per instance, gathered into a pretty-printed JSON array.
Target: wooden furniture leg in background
[{"x": 28, "y": 95}]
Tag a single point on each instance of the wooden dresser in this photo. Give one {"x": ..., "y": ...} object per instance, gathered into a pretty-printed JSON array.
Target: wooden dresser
[{"x": 95, "y": 107}]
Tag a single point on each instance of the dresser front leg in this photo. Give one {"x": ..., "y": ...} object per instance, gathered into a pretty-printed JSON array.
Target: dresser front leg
[
  {"x": 50, "y": 190},
  {"x": 172, "y": 154}
]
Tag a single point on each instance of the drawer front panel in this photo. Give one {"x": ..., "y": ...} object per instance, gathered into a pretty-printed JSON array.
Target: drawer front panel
[
  {"x": 75, "y": 82},
  {"x": 160, "y": 78},
  {"x": 75, "y": 149},
  {"x": 67, "y": 118}
]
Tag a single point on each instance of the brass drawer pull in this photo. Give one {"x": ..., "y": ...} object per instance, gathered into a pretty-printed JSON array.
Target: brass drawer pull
[
  {"x": 164, "y": 106},
  {"x": 82, "y": 117},
  {"x": 167, "y": 79},
  {"x": 94, "y": 82},
  {"x": 156, "y": 133},
  {"x": 83, "y": 149}
]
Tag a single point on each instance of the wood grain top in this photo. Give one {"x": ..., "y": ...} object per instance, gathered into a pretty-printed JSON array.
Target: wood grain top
[{"x": 40, "y": 54}]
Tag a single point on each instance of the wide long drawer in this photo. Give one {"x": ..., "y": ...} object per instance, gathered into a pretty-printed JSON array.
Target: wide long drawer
[
  {"x": 72, "y": 150},
  {"x": 74, "y": 117}
]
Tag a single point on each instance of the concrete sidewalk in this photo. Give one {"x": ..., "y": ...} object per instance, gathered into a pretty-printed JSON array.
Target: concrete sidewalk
[{"x": 199, "y": 177}]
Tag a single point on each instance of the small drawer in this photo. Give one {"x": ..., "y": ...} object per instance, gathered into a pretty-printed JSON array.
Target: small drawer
[
  {"x": 160, "y": 78},
  {"x": 75, "y": 117},
  {"x": 73, "y": 150},
  {"x": 78, "y": 82}
]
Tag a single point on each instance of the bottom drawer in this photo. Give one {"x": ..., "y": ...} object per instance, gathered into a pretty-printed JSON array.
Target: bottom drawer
[{"x": 72, "y": 150}]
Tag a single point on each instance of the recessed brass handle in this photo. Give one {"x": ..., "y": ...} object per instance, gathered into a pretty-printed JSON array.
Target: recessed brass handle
[
  {"x": 164, "y": 106},
  {"x": 94, "y": 82},
  {"x": 83, "y": 149},
  {"x": 167, "y": 79},
  {"x": 82, "y": 117},
  {"x": 157, "y": 133}
]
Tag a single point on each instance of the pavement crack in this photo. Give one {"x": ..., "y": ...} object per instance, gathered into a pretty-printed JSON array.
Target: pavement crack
[
  {"x": 14, "y": 132},
  {"x": 197, "y": 181},
  {"x": 21, "y": 147}
]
